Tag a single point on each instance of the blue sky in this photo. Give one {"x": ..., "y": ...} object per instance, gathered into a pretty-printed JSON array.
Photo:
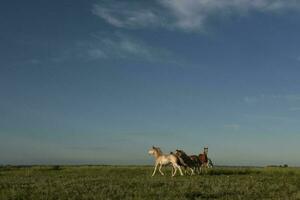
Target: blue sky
[{"x": 100, "y": 82}]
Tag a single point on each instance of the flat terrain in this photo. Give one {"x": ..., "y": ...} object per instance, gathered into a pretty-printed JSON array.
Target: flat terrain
[{"x": 135, "y": 182}]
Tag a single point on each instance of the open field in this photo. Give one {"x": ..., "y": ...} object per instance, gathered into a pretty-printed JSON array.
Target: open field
[{"x": 135, "y": 182}]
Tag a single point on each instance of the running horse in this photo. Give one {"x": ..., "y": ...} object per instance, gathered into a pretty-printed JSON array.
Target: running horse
[
  {"x": 163, "y": 160},
  {"x": 186, "y": 161},
  {"x": 204, "y": 159}
]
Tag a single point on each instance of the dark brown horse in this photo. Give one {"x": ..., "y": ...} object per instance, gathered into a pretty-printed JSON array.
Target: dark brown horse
[
  {"x": 196, "y": 163},
  {"x": 186, "y": 161}
]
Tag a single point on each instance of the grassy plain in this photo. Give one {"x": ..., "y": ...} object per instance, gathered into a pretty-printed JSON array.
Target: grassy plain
[{"x": 135, "y": 182}]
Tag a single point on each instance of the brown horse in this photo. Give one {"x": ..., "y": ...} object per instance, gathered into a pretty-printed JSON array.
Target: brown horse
[{"x": 204, "y": 159}]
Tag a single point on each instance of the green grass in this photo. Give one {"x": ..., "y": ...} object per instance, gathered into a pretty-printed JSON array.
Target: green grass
[{"x": 135, "y": 182}]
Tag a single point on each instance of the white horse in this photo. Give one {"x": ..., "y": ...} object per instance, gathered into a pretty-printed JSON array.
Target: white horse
[{"x": 162, "y": 160}]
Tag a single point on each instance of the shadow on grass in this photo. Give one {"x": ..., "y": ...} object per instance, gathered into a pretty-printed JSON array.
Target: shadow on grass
[
  {"x": 202, "y": 195},
  {"x": 216, "y": 172}
]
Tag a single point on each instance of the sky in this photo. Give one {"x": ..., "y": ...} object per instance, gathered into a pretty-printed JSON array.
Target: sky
[{"x": 101, "y": 81}]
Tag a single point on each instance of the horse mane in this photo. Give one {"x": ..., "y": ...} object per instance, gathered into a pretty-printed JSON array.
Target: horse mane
[
  {"x": 158, "y": 150},
  {"x": 180, "y": 151},
  {"x": 184, "y": 158}
]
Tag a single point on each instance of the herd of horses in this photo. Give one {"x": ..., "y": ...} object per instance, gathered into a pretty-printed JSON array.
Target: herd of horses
[{"x": 190, "y": 163}]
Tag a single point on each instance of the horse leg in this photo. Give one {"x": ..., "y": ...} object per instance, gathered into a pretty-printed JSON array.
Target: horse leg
[
  {"x": 185, "y": 170},
  {"x": 180, "y": 170},
  {"x": 159, "y": 169},
  {"x": 175, "y": 170},
  {"x": 201, "y": 168},
  {"x": 176, "y": 166},
  {"x": 192, "y": 171},
  {"x": 198, "y": 169},
  {"x": 156, "y": 164},
  {"x": 206, "y": 168},
  {"x": 195, "y": 169}
]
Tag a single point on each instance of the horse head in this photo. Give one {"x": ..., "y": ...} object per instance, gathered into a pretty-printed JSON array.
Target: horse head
[
  {"x": 178, "y": 152},
  {"x": 152, "y": 150},
  {"x": 155, "y": 150},
  {"x": 205, "y": 150}
]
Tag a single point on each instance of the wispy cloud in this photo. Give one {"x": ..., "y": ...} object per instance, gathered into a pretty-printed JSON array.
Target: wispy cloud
[
  {"x": 276, "y": 118},
  {"x": 122, "y": 14},
  {"x": 294, "y": 109},
  {"x": 187, "y": 15},
  {"x": 106, "y": 46},
  {"x": 232, "y": 126},
  {"x": 192, "y": 14},
  {"x": 272, "y": 97},
  {"x": 250, "y": 100},
  {"x": 88, "y": 148},
  {"x": 124, "y": 47}
]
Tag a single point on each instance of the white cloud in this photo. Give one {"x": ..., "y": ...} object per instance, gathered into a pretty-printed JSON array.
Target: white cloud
[{"x": 187, "y": 15}]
